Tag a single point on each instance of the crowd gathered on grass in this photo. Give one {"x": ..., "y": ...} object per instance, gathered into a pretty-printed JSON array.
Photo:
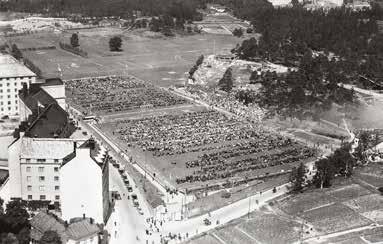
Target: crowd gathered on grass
[
  {"x": 227, "y": 147},
  {"x": 117, "y": 94}
]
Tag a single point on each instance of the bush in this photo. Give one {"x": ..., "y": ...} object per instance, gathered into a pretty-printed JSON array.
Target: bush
[
  {"x": 33, "y": 67},
  {"x": 381, "y": 189},
  {"x": 74, "y": 50},
  {"x": 238, "y": 32},
  {"x": 115, "y": 44}
]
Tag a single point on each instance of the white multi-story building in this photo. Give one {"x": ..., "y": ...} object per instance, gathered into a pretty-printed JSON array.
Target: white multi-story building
[
  {"x": 48, "y": 162},
  {"x": 13, "y": 75},
  {"x": 85, "y": 184}
]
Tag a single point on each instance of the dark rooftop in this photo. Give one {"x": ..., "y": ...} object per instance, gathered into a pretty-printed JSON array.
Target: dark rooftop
[
  {"x": 51, "y": 122},
  {"x": 53, "y": 82}
]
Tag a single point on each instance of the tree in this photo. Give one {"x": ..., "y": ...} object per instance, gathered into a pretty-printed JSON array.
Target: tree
[
  {"x": 16, "y": 53},
  {"x": 199, "y": 60},
  {"x": 115, "y": 44},
  {"x": 74, "y": 40},
  {"x": 298, "y": 178},
  {"x": 16, "y": 216},
  {"x": 9, "y": 238},
  {"x": 226, "y": 82},
  {"x": 238, "y": 32},
  {"x": 325, "y": 173},
  {"x": 50, "y": 237}
]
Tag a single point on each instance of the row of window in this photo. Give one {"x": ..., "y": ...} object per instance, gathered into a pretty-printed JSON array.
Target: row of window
[
  {"x": 9, "y": 109},
  {"x": 29, "y": 77},
  {"x": 41, "y": 178},
  {"x": 8, "y": 96},
  {"x": 41, "y": 168},
  {"x": 42, "y": 188},
  {"x": 9, "y": 102},
  {"x": 9, "y": 90},
  {"x": 43, "y": 197},
  {"x": 8, "y": 84}
]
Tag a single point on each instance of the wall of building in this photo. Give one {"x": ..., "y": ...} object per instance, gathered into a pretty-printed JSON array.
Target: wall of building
[
  {"x": 24, "y": 111},
  {"x": 9, "y": 89},
  {"x": 81, "y": 187},
  {"x": 14, "y": 169},
  {"x": 40, "y": 180},
  {"x": 58, "y": 93}
]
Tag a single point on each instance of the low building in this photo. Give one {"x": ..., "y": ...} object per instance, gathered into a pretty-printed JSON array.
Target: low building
[
  {"x": 13, "y": 75},
  {"x": 81, "y": 230}
]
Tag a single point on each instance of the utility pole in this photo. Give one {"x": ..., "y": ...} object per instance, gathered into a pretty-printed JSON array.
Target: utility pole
[{"x": 248, "y": 213}]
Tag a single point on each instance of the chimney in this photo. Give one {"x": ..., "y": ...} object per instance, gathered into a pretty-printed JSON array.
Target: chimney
[
  {"x": 74, "y": 146},
  {"x": 91, "y": 221},
  {"x": 83, "y": 216}
]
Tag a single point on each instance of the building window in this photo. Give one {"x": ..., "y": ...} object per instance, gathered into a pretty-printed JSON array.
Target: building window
[
  {"x": 15, "y": 89},
  {"x": 41, "y": 169},
  {"x": 29, "y": 188},
  {"x": 57, "y": 197},
  {"x": 28, "y": 160},
  {"x": 56, "y": 168},
  {"x": 41, "y": 188},
  {"x": 56, "y": 160},
  {"x": 57, "y": 188},
  {"x": 56, "y": 178},
  {"x": 8, "y": 90},
  {"x": 42, "y": 197},
  {"x": 9, "y": 108},
  {"x": 41, "y": 160},
  {"x": 7, "y": 83},
  {"x": 9, "y": 102},
  {"x": 15, "y": 83},
  {"x": 9, "y": 96},
  {"x": 29, "y": 178},
  {"x": 1, "y": 91},
  {"x": 1, "y": 85},
  {"x": 28, "y": 168},
  {"x": 16, "y": 96},
  {"x": 29, "y": 197},
  {"x": 41, "y": 178}
]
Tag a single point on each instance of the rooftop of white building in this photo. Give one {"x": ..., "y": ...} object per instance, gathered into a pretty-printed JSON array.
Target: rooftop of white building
[
  {"x": 45, "y": 148},
  {"x": 10, "y": 67}
]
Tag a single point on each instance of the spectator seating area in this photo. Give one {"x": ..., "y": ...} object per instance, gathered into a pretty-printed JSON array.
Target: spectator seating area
[{"x": 103, "y": 95}]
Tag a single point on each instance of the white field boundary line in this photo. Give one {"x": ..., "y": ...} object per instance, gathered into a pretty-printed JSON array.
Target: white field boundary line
[
  {"x": 218, "y": 238},
  {"x": 247, "y": 234}
]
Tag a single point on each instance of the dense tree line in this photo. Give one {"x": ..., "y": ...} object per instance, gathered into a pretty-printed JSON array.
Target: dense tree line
[
  {"x": 288, "y": 33},
  {"x": 180, "y": 9}
]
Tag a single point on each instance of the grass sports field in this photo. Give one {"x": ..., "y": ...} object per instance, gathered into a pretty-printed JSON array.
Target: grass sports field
[{"x": 160, "y": 60}]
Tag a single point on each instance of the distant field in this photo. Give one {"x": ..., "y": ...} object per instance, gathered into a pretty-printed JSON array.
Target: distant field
[{"x": 163, "y": 61}]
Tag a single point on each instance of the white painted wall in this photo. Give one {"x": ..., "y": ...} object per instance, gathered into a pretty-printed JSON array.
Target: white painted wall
[
  {"x": 81, "y": 187},
  {"x": 58, "y": 93},
  {"x": 14, "y": 169}
]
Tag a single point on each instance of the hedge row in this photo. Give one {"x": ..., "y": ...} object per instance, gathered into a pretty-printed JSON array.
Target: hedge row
[
  {"x": 74, "y": 50},
  {"x": 33, "y": 67}
]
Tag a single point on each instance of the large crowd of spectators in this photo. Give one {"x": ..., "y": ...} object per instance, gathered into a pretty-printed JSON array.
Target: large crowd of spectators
[
  {"x": 227, "y": 147},
  {"x": 116, "y": 94}
]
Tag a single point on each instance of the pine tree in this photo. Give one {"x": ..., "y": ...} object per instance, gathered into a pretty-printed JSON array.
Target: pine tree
[
  {"x": 74, "y": 40},
  {"x": 298, "y": 178},
  {"x": 226, "y": 82}
]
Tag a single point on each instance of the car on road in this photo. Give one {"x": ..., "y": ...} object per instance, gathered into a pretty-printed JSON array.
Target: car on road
[{"x": 207, "y": 221}]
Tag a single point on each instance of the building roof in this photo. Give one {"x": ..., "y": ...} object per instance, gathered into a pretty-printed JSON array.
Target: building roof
[
  {"x": 46, "y": 148},
  {"x": 43, "y": 222},
  {"x": 10, "y": 67},
  {"x": 53, "y": 82},
  {"x": 34, "y": 96},
  {"x": 81, "y": 229},
  {"x": 51, "y": 122}
]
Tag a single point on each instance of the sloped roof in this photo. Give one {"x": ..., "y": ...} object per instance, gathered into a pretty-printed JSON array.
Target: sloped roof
[
  {"x": 43, "y": 222},
  {"x": 53, "y": 122},
  {"x": 78, "y": 230},
  {"x": 45, "y": 148},
  {"x": 82, "y": 229},
  {"x": 10, "y": 67}
]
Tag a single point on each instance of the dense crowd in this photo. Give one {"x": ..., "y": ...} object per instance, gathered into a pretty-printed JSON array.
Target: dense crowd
[
  {"x": 115, "y": 94},
  {"x": 228, "y": 147},
  {"x": 179, "y": 133},
  {"x": 229, "y": 163}
]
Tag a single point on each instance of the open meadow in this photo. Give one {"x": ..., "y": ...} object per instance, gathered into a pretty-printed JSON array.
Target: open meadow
[{"x": 162, "y": 61}]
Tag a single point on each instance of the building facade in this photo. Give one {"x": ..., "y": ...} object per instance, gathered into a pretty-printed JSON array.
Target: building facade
[{"x": 13, "y": 75}]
